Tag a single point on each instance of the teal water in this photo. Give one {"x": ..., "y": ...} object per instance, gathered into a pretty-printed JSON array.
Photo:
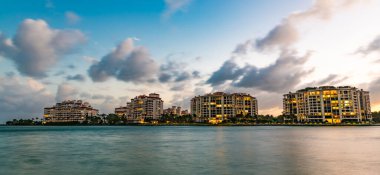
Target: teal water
[{"x": 189, "y": 150}]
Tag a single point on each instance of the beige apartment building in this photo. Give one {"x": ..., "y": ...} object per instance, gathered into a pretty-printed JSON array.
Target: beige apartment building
[
  {"x": 69, "y": 111},
  {"x": 328, "y": 104},
  {"x": 142, "y": 107},
  {"x": 219, "y": 106},
  {"x": 176, "y": 110}
]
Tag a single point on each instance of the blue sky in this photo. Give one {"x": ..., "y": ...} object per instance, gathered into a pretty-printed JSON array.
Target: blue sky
[
  {"x": 107, "y": 23},
  {"x": 186, "y": 41}
]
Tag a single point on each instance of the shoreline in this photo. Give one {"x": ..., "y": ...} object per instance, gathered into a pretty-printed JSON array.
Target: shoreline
[{"x": 213, "y": 125}]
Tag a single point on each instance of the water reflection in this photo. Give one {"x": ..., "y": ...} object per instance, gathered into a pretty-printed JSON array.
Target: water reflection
[{"x": 189, "y": 150}]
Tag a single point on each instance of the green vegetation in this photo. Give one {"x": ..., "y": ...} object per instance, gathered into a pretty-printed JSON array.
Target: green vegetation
[
  {"x": 176, "y": 119},
  {"x": 33, "y": 121},
  {"x": 376, "y": 117},
  {"x": 113, "y": 119}
]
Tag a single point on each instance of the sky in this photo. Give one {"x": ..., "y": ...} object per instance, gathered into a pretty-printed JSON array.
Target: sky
[{"x": 107, "y": 52}]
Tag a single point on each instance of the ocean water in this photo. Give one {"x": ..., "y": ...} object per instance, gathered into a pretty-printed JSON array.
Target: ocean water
[{"x": 189, "y": 150}]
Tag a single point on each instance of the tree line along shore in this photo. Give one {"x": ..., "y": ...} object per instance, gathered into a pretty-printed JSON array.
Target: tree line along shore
[{"x": 187, "y": 120}]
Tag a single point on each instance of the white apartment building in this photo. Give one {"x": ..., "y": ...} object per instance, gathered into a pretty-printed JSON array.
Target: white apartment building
[
  {"x": 218, "y": 106},
  {"x": 69, "y": 111},
  {"x": 328, "y": 104},
  {"x": 142, "y": 107},
  {"x": 176, "y": 110}
]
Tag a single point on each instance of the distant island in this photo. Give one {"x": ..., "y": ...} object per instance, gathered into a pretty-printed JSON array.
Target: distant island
[
  {"x": 187, "y": 120},
  {"x": 313, "y": 106}
]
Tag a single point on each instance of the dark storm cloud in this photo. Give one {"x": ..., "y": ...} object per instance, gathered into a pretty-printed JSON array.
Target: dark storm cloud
[
  {"x": 71, "y": 66},
  {"x": 183, "y": 76},
  {"x": 36, "y": 47},
  {"x": 10, "y": 74},
  {"x": 173, "y": 71},
  {"x": 77, "y": 77},
  {"x": 169, "y": 71},
  {"x": 164, "y": 77},
  {"x": 59, "y": 73},
  {"x": 281, "y": 36},
  {"x": 331, "y": 80},
  {"x": 328, "y": 79},
  {"x": 178, "y": 87},
  {"x": 285, "y": 73},
  {"x": 134, "y": 64},
  {"x": 196, "y": 74},
  {"x": 244, "y": 48},
  {"x": 229, "y": 71},
  {"x": 373, "y": 46}
]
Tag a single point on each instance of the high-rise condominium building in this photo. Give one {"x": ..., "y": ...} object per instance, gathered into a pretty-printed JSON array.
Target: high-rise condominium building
[
  {"x": 328, "y": 104},
  {"x": 69, "y": 111},
  {"x": 142, "y": 107},
  {"x": 175, "y": 110},
  {"x": 218, "y": 106}
]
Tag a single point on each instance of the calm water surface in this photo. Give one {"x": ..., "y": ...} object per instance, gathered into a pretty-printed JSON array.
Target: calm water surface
[{"x": 189, "y": 150}]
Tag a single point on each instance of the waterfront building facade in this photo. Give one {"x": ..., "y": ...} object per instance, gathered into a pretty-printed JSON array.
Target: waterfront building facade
[
  {"x": 185, "y": 112},
  {"x": 69, "y": 111},
  {"x": 124, "y": 111},
  {"x": 219, "y": 106},
  {"x": 176, "y": 110},
  {"x": 328, "y": 104},
  {"x": 142, "y": 107}
]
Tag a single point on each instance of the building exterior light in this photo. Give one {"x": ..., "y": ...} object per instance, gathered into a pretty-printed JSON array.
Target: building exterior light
[
  {"x": 142, "y": 107},
  {"x": 336, "y": 104},
  {"x": 220, "y": 106},
  {"x": 69, "y": 111}
]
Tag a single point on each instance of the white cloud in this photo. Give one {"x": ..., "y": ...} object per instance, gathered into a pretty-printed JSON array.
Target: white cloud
[
  {"x": 89, "y": 59},
  {"x": 104, "y": 103},
  {"x": 66, "y": 91},
  {"x": 22, "y": 98},
  {"x": 287, "y": 33},
  {"x": 36, "y": 47},
  {"x": 173, "y": 6},
  {"x": 127, "y": 63},
  {"x": 35, "y": 85},
  {"x": 72, "y": 18},
  {"x": 332, "y": 30}
]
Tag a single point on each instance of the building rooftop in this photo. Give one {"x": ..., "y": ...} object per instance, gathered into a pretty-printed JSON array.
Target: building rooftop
[
  {"x": 325, "y": 88},
  {"x": 71, "y": 104},
  {"x": 224, "y": 93},
  {"x": 151, "y": 95}
]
